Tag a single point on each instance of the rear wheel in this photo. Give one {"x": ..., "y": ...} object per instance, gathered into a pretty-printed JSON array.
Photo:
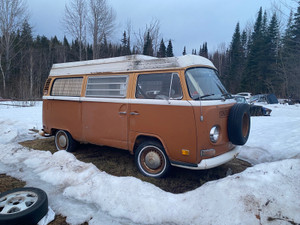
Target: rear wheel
[
  {"x": 64, "y": 141},
  {"x": 151, "y": 159}
]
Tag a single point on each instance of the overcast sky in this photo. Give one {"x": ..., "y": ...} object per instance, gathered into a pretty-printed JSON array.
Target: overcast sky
[{"x": 186, "y": 22}]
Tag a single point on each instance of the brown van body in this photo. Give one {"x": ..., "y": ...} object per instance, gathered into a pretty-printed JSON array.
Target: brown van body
[{"x": 182, "y": 126}]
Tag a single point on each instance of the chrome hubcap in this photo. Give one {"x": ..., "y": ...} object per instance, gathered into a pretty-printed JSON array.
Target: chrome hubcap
[
  {"x": 152, "y": 160},
  {"x": 17, "y": 202},
  {"x": 62, "y": 140}
]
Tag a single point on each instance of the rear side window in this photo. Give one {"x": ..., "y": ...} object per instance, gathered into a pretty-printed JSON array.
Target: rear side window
[
  {"x": 67, "y": 87},
  {"x": 107, "y": 86},
  {"x": 158, "y": 86}
]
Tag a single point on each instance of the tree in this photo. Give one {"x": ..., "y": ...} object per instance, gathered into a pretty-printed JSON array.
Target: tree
[
  {"x": 184, "y": 51},
  {"x": 162, "y": 50},
  {"x": 236, "y": 62},
  {"x": 170, "y": 49},
  {"x": 75, "y": 22},
  {"x": 272, "y": 79},
  {"x": 27, "y": 63},
  {"x": 101, "y": 23},
  {"x": 13, "y": 13},
  {"x": 154, "y": 33},
  {"x": 253, "y": 75},
  {"x": 148, "y": 47},
  {"x": 125, "y": 48},
  {"x": 293, "y": 55},
  {"x": 203, "y": 51}
]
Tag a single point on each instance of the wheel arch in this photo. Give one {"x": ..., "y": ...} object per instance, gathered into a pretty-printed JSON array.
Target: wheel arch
[{"x": 146, "y": 137}]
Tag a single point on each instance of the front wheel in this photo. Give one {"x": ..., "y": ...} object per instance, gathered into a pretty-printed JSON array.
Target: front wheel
[
  {"x": 152, "y": 160},
  {"x": 64, "y": 141}
]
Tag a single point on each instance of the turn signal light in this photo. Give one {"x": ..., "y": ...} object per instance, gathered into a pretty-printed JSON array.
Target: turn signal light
[{"x": 185, "y": 152}]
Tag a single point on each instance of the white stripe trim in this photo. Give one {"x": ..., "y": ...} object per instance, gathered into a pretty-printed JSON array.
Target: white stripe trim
[
  {"x": 143, "y": 101},
  {"x": 63, "y": 98}
]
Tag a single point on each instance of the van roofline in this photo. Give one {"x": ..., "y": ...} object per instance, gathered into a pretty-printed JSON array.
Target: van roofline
[{"x": 130, "y": 63}]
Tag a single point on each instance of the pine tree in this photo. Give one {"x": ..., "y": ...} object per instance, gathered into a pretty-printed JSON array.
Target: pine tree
[
  {"x": 235, "y": 72},
  {"x": 66, "y": 47},
  {"x": 184, "y": 51},
  {"x": 170, "y": 49},
  {"x": 253, "y": 75},
  {"x": 125, "y": 49},
  {"x": 272, "y": 79},
  {"x": 294, "y": 55},
  {"x": 148, "y": 47},
  {"x": 244, "y": 42},
  {"x": 162, "y": 49},
  {"x": 203, "y": 50}
]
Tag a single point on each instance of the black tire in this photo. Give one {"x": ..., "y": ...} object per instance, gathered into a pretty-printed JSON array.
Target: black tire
[
  {"x": 23, "y": 206},
  {"x": 64, "y": 141},
  {"x": 151, "y": 159},
  {"x": 239, "y": 124}
]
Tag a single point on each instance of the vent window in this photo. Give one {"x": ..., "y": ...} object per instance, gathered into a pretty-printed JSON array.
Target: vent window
[
  {"x": 107, "y": 86},
  {"x": 67, "y": 87}
]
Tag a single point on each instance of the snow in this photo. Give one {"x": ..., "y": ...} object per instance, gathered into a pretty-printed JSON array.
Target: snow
[
  {"x": 127, "y": 63},
  {"x": 81, "y": 192}
]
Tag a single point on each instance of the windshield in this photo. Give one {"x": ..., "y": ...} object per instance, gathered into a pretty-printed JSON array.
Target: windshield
[{"x": 203, "y": 83}]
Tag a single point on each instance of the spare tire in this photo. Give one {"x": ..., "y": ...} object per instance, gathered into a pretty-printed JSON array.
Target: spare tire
[
  {"x": 23, "y": 206},
  {"x": 238, "y": 127}
]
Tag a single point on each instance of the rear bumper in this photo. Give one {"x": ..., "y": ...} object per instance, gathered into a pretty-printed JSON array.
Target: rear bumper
[
  {"x": 211, "y": 162},
  {"x": 43, "y": 133}
]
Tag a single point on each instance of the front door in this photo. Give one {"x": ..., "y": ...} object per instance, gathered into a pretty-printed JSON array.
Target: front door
[{"x": 158, "y": 110}]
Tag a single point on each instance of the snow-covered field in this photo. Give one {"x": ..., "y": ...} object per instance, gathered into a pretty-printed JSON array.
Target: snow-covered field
[{"x": 267, "y": 193}]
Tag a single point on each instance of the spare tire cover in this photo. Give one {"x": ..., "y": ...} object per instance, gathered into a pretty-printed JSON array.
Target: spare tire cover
[{"x": 238, "y": 127}]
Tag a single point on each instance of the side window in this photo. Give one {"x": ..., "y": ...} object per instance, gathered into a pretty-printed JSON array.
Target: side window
[
  {"x": 107, "y": 86},
  {"x": 67, "y": 87},
  {"x": 158, "y": 86}
]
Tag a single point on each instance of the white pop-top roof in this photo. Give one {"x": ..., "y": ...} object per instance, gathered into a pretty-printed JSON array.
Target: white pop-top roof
[{"x": 127, "y": 63}]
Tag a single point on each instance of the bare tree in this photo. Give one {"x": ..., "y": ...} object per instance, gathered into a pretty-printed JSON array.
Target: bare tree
[
  {"x": 101, "y": 23},
  {"x": 154, "y": 31},
  {"x": 12, "y": 15},
  {"x": 75, "y": 22}
]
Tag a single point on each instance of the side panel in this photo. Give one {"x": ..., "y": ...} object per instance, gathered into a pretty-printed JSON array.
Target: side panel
[
  {"x": 212, "y": 115},
  {"x": 65, "y": 115},
  {"x": 171, "y": 121}
]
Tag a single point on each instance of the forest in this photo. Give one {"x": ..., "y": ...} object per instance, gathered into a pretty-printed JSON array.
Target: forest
[{"x": 262, "y": 58}]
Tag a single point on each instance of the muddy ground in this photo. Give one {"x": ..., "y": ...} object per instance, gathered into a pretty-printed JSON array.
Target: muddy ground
[{"x": 120, "y": 163}]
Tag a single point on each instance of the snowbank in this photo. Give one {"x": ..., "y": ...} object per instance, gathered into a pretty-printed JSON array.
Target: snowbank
[{"x": 267, "y": 193}]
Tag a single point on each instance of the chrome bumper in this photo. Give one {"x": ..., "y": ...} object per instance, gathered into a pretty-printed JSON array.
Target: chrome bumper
[{"x": 212, "y": 162}]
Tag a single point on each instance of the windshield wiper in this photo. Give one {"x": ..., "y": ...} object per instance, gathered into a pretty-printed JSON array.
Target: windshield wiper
[
  {"x": 227, "y": 94},
  {"x": 201, "y": 97}
]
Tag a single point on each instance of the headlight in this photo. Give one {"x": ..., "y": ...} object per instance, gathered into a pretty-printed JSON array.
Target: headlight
[{"x": 214, "y": 134}]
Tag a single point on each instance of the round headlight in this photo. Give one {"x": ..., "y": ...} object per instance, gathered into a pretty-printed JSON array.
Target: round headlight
[{"x": 214, "y": 134}]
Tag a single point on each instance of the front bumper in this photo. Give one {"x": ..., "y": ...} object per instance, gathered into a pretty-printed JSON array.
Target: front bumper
[{"x": 212, "y": 162}]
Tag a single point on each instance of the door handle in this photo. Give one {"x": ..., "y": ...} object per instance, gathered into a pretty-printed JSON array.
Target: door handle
[
  {"x": 123, "y": 113},
  {"x": 134, "y": 113}
]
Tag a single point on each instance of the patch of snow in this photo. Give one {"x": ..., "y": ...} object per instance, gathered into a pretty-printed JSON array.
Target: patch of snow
[
  {"x": 127, "y": 63},
  {"x": 270, "y": 190},
  {"x": 274, "y": 137}
]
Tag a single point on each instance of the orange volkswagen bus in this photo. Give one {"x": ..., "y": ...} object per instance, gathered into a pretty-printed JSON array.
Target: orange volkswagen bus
[{"x": 166, "y": 111}]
